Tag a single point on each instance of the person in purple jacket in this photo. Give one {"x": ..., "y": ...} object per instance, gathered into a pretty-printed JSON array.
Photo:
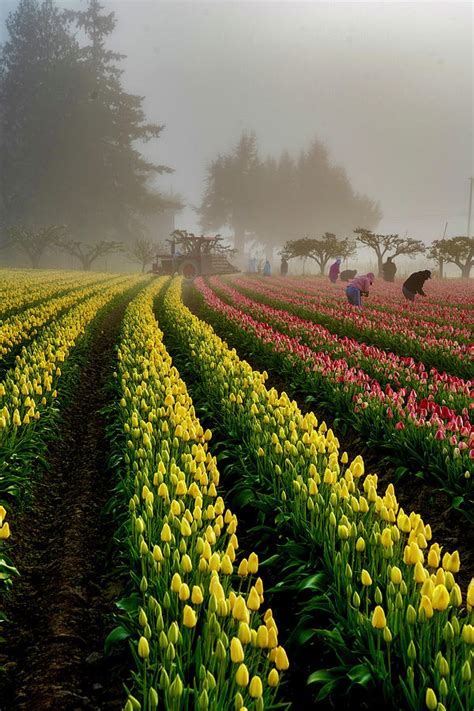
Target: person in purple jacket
[
  {"x": 359, "y": 287},
  {"x": 334, "y": 271}
]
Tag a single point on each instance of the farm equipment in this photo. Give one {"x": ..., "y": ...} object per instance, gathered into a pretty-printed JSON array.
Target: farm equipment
[{"x": 191, "y": 255}]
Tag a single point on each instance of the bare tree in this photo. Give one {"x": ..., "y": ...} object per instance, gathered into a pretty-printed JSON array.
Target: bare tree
[
  {"x": 456, "y": 250},
  {"x": 389, "y": 245},
  {"x": 34, "y": 243},
  {"x": 87, "y": 253},
  {"x": 321, "y": 250},
  {"x": 142, "y": 251}
]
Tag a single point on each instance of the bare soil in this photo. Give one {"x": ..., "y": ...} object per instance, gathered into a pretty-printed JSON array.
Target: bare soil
[{"x": 60, "y": 607}]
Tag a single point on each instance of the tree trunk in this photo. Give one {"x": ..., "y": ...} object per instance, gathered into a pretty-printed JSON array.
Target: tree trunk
[
  {"x": 380, "y": 265},
  {"x": 466, "y": 270}
]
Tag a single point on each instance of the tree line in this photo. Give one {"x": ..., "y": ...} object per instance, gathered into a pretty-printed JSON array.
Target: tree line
[{"x": 455, "y": 250}]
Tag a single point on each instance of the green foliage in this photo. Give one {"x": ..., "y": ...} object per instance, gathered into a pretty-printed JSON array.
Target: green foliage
[
  {"x": 321, "y": 250},
  {"x": 272, "y": 199},
  {"x": 456, "y": 250},
  {"x": 68, "y": 129}
]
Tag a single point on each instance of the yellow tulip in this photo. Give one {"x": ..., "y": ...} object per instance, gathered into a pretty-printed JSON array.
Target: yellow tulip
[
  {"x": 378, "y": 618},
  {"x": 253, "y": 600},
  {"x": 273, "y": 678},
  {"x": 365, "y": 578},
  {"x": 165, "y": 533},
  {"x": 244, "y": 634},
  {"x": 253, "y": 563},
  {"x": 236, "y": 650},
  {"x": 281, "y": 659},
  {"x": 396, "y": 575},
  {"x": 196, "y": 595},
  {"x": 242, "y": 676},
  {"x": 431, "y": 700},
  {"x": 470, "y": 595},
  {"x": 426, "y": 606},
  {"x": 189, "y": 617},
  {"x": 440, "y": 598},
  {"x": 256, "y": 687},
  {"x": 143, "y": 648},
  {"x": 5, "y": 531}
]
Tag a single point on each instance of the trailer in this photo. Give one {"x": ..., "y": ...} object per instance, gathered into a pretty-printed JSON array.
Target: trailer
[{"x": 192, "y": 255}]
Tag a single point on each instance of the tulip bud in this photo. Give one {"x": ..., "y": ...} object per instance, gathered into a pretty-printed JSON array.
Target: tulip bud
[
  {"x": 440, "y": 600},
  {"x": 430, "y": 700},
  {"x": 378, "y": 618},
  {"x": 143, "y": 648},
  {"x": 411, "y": 651},
  {"x": 256, "y": 687},
  {"x": 273, "y": 678},
  {"x": 189, "y": 616},
  {"x": 281, "y": 659},
  {"x": 242, "y": 676},
  {"x": 236, "y": 650}
]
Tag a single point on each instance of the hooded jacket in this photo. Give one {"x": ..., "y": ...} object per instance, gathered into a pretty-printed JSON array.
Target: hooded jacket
[
  {"x": 363, "y": 282},
  {"x": 415, "y": 282}
]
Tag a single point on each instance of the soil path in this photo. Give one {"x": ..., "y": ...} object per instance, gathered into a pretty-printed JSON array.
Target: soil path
[{"x": 60, "y": 606}]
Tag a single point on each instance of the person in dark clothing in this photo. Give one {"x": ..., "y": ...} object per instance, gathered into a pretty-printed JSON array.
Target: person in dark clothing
[
  {"x": 347, "y": 274},
  {"x": 389, "y": 269},
  {"x": 284, "y": 266},
  {"x": 414, "y": 284}
]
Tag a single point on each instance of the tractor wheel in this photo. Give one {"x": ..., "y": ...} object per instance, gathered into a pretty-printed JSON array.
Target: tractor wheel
[{"x": 188, "y": 269}]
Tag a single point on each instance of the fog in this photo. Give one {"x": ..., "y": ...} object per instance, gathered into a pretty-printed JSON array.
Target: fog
[{"x": 387, "y": 87}]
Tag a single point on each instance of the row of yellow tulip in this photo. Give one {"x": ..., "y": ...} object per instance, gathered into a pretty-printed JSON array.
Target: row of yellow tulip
[
  {"x": 21, "y": 288},
  {"x": 30, "y": 388},
  {"x": 26, "y": 322},
  {"x": 200, "y": 637},
  {"x": 396, "y": 592}
]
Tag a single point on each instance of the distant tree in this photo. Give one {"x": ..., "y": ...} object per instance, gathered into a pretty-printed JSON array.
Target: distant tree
[
  {"x": 231, "y": 187},
  {"x": 34, "y": 243},
  {"x": 269, "y": 200},
  {"x": 143, "y": 251},
  {"x": 389, "y": 245},
  {"x": 320, "y": 250},
  {"x": 455, "y": 250},
  {"x": 87, "y": 253}
]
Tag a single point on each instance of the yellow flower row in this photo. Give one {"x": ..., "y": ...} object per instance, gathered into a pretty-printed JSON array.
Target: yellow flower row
[
  {"x": 22, "y": 287},
  {"x": 28, "y": 321},
  {"x": 201, "y": 636},
  {"x": 390, "y": 580},
  {"x": 30, "y": 386}
]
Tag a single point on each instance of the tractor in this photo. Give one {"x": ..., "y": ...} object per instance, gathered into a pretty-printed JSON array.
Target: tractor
[{"x": 191, "y": 255}]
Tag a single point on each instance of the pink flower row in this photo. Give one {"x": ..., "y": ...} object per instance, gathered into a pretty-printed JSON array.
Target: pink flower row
[
  {"x": 408, "y": 327},
  {"x": 424, "y": 412}
]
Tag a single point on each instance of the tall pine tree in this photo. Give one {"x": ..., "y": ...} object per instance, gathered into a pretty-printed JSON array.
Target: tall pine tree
[{"x": 69, "y": 130}]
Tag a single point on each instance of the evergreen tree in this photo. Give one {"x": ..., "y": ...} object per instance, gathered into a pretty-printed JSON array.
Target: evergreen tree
[
  {"x": 275, "y": 200},
  {"x": 69, "y": 130}
]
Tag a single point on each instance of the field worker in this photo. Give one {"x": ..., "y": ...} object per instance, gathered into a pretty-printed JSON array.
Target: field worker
[
  {"x": 284, "y": 266},
  {"x": 414, "y": 284},
  {"x": 334, "y": 271},
  {"x": 358, "y": 287},
  {"x": 389, "y": 269},
  {"x": 347, "y": 274},
  {"x": 267, "y": 269}
]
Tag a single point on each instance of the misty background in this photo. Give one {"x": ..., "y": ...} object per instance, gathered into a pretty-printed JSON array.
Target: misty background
[{"x": 387, "y": 87}]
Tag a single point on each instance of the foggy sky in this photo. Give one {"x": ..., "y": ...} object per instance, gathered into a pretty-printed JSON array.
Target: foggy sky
[{"x": 388, "y": 87}]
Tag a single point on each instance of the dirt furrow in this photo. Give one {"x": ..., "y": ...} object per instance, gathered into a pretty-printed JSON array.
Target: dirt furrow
[{"x": 60, "y": 606}]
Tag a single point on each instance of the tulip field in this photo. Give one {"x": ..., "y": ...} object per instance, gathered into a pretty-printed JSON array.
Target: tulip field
[{"x": 253, "y": 562}]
